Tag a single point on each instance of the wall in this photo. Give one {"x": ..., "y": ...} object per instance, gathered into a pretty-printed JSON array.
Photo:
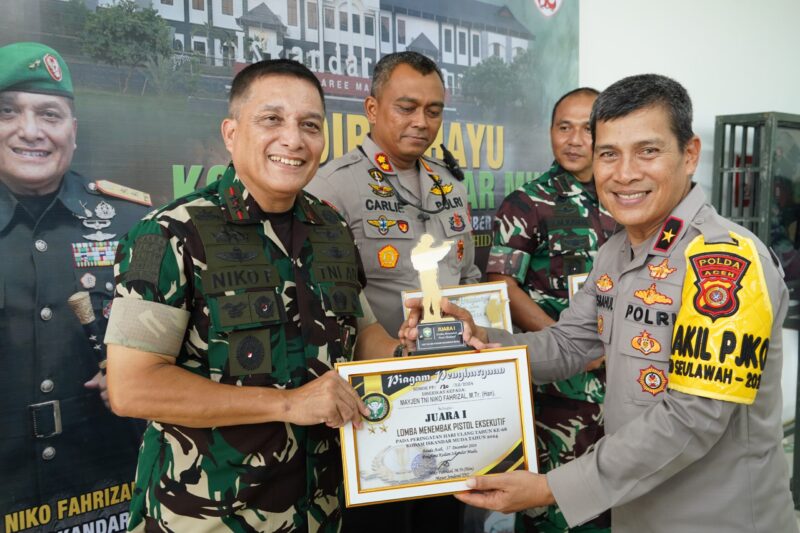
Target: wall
[{"x": 732, "y": 56}]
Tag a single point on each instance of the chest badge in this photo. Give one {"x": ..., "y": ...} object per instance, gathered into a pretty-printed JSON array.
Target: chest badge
[
  {"x": 440, "y": 189},
  {"x": 98, "y": 220},
  {"x": 382, "y": 160},
  {"x": 402, "y": 225},
  {"x": 652, "y": 380},
  {"x": 388, "y": 256},
  {"x": 661, "y": 270},
  {"x": 88, "y": 281},
  {"x": 645, "y": 343},
  {"x": 457, "y": 222},
  {"x": 383, "y": 224},
  {"x": 651, "y": 296},
  {"x": 93, "y": 254},
  {"x": 604, "y": 283},
  {"x": 384, "y": 191}
]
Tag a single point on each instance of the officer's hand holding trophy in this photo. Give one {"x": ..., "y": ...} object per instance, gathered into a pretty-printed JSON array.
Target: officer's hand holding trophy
[{"x": 434, "y": 324}]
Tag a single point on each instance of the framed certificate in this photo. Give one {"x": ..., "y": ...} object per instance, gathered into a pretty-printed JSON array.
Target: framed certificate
[
  {"x": 435, "y": 421},
  {"x": 486, "y": 302}
]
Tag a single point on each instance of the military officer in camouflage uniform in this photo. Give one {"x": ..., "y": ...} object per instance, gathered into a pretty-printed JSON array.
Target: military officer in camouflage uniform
[
  {"x": 233, "y": 304},
  {"x": 688, "y": 308},
  {"x": 58, "y": 234},
  {"x": 391, "y": 194},
  {"x": 545, "y": 232}
]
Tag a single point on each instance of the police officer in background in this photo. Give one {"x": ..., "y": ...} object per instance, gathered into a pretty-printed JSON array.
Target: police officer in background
[
  {"x": 390, "y": 194},
  {"x": 545, "y": 232},
  {"x": 58, "y": 235},
  {"x": 688, "y": 308}
]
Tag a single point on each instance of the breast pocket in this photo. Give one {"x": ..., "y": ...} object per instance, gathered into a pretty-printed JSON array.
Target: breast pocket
[
  {"x": 342, "y": 308},
  {"x": 644, "y": 359},
  {"x": 99, "y": 283},
  {"x": 252, "y": 324},
  {"x": 387, "y": 253}
]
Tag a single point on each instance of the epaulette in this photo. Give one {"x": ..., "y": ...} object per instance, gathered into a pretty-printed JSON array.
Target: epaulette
[
  {"x": 125, "y": 193},
  {"x": 350, "y": 158},
  {"x": 449, "y": 162}
]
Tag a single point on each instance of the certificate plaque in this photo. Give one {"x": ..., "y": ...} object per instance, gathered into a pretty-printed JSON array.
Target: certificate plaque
[{"x": 436, "y": 420}]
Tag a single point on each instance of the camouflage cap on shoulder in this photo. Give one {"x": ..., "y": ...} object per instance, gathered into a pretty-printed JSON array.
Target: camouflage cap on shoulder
[{"x": 34, "y": 68}]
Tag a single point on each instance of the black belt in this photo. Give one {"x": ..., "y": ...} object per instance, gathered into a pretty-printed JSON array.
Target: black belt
[{"x": 51, "y": 418}]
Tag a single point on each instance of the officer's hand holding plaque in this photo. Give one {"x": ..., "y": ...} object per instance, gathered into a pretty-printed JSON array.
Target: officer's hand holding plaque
[
  {"x": 435, "y": 334},
  {"x": 438, "y": 418}
]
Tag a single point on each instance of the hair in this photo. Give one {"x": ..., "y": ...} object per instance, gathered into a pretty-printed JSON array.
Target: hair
[
  {"x": 580, "y": 90},
  {"x": 269, "y": 67},
  {"x": 642, "y": 91},
  {"x": 384, "y": 68}
]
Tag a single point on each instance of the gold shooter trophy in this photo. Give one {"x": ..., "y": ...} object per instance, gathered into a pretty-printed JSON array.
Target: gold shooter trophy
[{"x": 435, "y": 334}]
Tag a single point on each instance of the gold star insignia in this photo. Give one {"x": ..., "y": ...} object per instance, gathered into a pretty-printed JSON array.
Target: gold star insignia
[
  {"x": 35, "y": 64},
  {"x": 371, "y": 430},
  {"x": 668, "y": 236}
]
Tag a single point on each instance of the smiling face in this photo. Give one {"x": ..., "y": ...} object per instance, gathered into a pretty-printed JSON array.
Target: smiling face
[
  {"x": 275, "y": 139},
  {"x": 571, "y": 137},
  {"x": 406, "y": 115},
  {"x": 640, "y": 171},
  {"x": 37, "y": 140}
]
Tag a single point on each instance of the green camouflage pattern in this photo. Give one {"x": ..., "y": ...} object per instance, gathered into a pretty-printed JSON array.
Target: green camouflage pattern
[
  {"x": 545, "y": 231},
  {"x": 215, "y": 254}
]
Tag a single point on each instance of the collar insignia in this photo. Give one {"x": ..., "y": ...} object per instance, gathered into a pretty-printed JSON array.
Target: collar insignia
[{"x": 669, "y": 233}]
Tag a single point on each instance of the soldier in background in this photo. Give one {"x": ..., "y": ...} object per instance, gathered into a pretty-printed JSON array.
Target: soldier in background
[
  {"x": 544, "y": 232},
  {"x": 233, "y": 304},
  {"x": 390, "y": 194},
  {"x": 58, "y": 235}
]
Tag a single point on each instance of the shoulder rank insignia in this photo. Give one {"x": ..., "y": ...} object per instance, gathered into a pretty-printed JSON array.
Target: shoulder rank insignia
[
  {"x": 652, "y": 380},
  {"x": 645, "y": 343},
  {"x": 382, "y": 160},
  {"x": 669, "y": 231},
  {"x": 718, "y": 279},
  {"x": 651, "y": 296},
  {"x": 382, "y": 223},
  {"x": 661, "y": 270},
  {"x": 604, "y": 283},
  {"x": 126, "y": 193},
  {"x": 384, "y": 191},
  {"x": 600, "y": 324},
  {"x": 440, "y": 189},
  {"x": 460, "y": 249}
]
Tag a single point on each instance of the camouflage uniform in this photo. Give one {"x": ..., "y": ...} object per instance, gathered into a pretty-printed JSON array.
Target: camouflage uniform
[
  {"x": 545, "y": 231},
  {"x": 257, "y": 318}
]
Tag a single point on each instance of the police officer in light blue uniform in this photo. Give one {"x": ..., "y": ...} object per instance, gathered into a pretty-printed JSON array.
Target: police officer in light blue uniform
[{"x": 58, "y": 235}]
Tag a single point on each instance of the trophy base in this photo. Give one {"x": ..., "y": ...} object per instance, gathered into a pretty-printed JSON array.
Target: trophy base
[{"x": 440, "y": 337}]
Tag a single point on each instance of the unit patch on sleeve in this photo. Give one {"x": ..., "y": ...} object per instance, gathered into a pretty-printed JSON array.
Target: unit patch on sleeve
[{"x": 721, "y": 337}]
